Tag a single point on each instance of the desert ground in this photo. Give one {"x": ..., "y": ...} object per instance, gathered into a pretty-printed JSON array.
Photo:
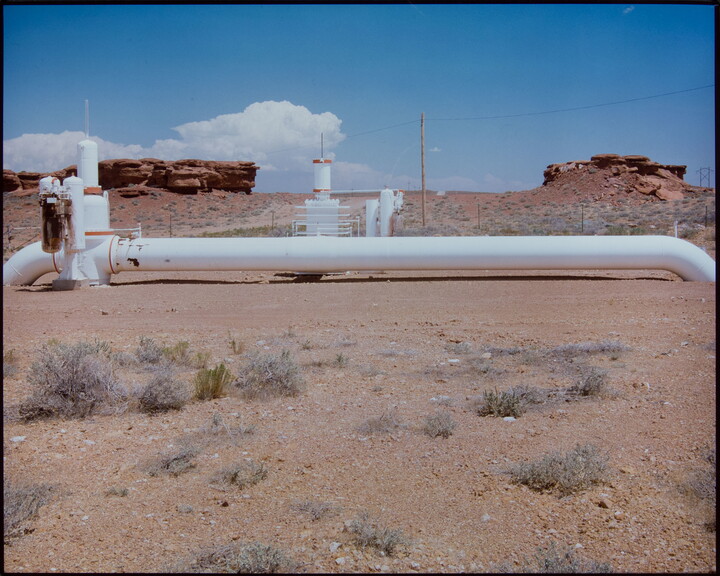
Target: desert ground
[{"x": 378, "y": 355}]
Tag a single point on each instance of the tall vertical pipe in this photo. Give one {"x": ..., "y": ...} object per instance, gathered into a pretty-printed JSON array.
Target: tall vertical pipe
[
  {"x": 88, "y": 163},
  {"x": 371, "y": 218},
  {"x": 322, "y": 174}
]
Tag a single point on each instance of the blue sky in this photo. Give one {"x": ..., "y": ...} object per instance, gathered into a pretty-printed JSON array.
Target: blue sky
[{"x": 261, "y": 83}]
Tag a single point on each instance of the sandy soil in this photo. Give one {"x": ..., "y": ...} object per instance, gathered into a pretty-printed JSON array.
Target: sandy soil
[
  {"x": 402, "y": 336},
  {"x": 411, "y": 344}
]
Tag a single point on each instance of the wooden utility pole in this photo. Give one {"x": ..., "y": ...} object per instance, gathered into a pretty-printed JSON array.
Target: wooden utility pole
[{"x": 422, "y": 162}]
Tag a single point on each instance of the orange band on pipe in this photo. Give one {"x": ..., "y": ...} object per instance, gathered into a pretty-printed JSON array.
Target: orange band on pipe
[
  {"x": 110, "y": 255},
  {"x": 100, "y": 233},
  {"x": 93, "y": 190}
]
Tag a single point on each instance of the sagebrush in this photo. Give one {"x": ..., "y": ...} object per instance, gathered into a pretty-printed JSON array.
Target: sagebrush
[
  {"x": 270, "y": 375},
  {"x": 163, "y": 393},
  {"x": 72, "y": 381},
  {"x": 20, "y": 504},
  {"x": 440, "y": 424},
  {"x": 237, "y": 558},
  {"x": 368, "y": 533},
  {"x": 577, "y": 469}
]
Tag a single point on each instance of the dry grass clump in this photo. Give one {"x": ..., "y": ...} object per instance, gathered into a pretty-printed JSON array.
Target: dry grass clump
[
  {"x": 174, "y": 463},
  {"x": 254, "y": 558},
  {"x": 120, "y": 491},
  {"x": 458, "y": 347},
  {"x": 149, "y": 351},
  {"x": 72, "y": 381},
  {"x": 20, "y": 503},
  {"x": 218, "y": 426},
  {"x": 368, "y": 533},
  {"x": 10, "y": 367},
  {"x": 502, "y": 404},
  {"x": 178, "y": 353},
  {"x": 439, "y": 424},
  {"x": 270, "y": 375},
  {"x": 211, "y": 383},
  {"x": 163, "y": 393},
  {"x": 702, "y": 485},
  {"x": 612, "y": 347},
  {"x": 594, "y": 383},
  {"x": 386, "y": 423},
  {"x": 550, "y": 560},
  {"x": 242, "y": 475},
  {"x": 578, "y": 469},
  {"x": 314, "y": 509}
]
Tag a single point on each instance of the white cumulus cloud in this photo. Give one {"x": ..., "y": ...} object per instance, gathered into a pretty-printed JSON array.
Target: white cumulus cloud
[
  {"x": 50, "y": 152},
  {"x": 275, "y": 135}
]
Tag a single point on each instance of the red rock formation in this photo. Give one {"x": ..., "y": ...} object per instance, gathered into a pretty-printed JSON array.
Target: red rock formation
[
  {"x": 182, "y": 176},
  {"x": 627, "y": 174}
]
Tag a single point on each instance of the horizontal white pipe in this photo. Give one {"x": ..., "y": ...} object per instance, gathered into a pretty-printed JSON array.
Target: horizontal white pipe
[
  {"x": 326, "y": 254},
  {"x": 29, "y": 264},
  {"x": 322, "y": 255}
]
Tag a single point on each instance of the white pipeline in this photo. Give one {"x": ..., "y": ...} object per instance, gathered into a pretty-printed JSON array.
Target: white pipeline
[{"x": 324, "y": 255}]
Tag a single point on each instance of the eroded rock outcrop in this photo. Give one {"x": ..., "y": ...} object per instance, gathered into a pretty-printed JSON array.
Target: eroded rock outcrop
[
  {"x": 181, "y": 176},
  {"x": 624, "y": 174}
]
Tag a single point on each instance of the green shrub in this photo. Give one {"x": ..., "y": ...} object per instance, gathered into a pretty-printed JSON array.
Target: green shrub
[
  {"x": 502, "y": 404},
  {"x": 71, "y": 381},
  {"x": 163, "y": 393},
  {"x": 200, "y": 360},
  {"x": 179, "y": 353},
  {"x": 211, "y": 383},
  {"x": 267, "y": 376},
  {"x": 575, "y": 470}
]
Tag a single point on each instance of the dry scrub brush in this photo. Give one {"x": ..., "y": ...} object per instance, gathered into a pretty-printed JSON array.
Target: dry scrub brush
[
  {"x": 314, "y": 509},
  {"x": 386, "y": 423},
  {"x": 163, "y": 393},
  {"x": 237, "y": 558},
  {"x": 266, "y": 376},
  {"x": 174, "y": 463},
  {"x": 439, "y": 424},
  {"x": 20, "y": 503},
  {"x": 578, "y": 469},
  {"x": 72, "y": 381},
  {"x": 367, "y": 533},
  {"x": 551, "y": 560},
  {"x": 242, "y": 475}
]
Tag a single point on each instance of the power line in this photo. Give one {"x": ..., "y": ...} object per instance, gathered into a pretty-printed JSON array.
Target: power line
[
  {"x": 579, "y": 107},
  {"x": 519, "y": 115}
]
